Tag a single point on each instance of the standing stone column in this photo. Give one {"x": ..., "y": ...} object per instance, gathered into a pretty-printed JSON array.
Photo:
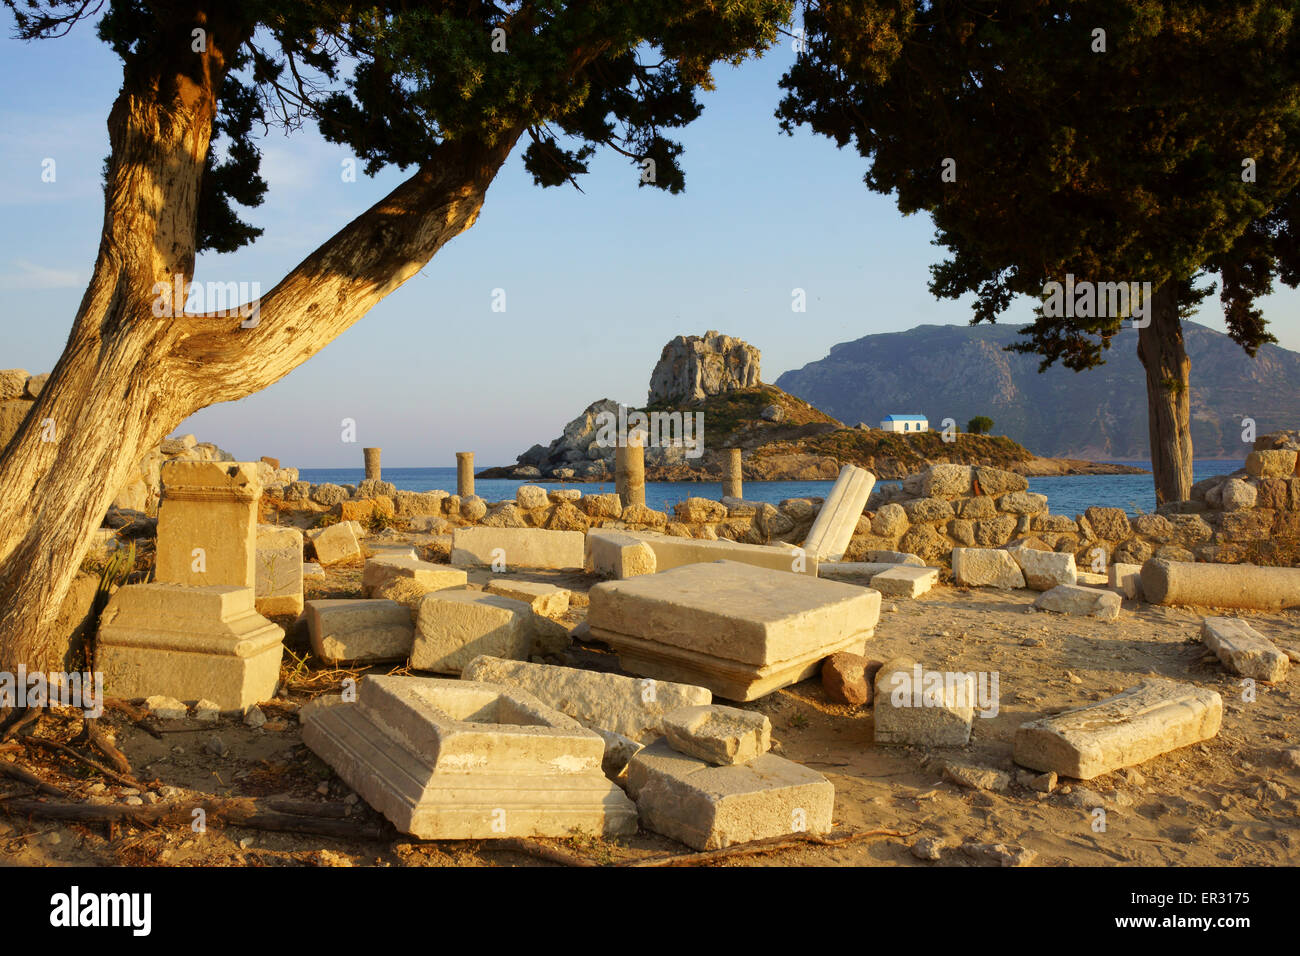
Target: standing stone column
[
  {"x": 207, "y": 523},
  {"x": 629, "y": 470},
  {"x": 372, "y": 462},
  {"x": 731, "y": 476},
  {"x": 464, "y": 473}
]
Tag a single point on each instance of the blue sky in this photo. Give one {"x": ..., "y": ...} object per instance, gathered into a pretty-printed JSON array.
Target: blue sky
[{"x": 595, "y": 282}]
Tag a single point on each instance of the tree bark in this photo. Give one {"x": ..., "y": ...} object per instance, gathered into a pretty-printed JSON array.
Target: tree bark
[
  {"x": 1164, "y": 356},
  {"x": 128, "y": 377}
]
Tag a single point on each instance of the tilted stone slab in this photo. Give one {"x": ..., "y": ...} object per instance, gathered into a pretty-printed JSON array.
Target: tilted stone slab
[
  {"x": 631, "y": 706},
  {"x": 381, "y": 571},
  {"x": 921, "y": 707},
  {"x": 672, "y": 551},
  {"x": 460, "y": 760},
  {"x": 1244, "y": 650},
  {"x": 1143, "y": 722},
  {"x": 986, "y": 567},
  {"x": 454, "y": 627},
  {"x": 709, "y": 807},
  {"x": 1044, "y": 570},
  {"x": 614, "y": 554},
  {"x": 1220, "y": 585},
  {"x": 279, "y": 570},
  {"x": 905, "y": 581},
  {"x": 833, "y": 529},
  {"x": 517, "y": 548},
  {"x": 360, "y": 630},
  {"x": 1074, "y": 599},
  {"x": 191, "y": 643},
  {"x": 739, "y": 630},
  {"x": 719, "y": 735}
]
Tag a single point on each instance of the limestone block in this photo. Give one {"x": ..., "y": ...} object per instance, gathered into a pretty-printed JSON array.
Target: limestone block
[
  {"x": 1271, "y": 463},
  {"x": 312, "y": 569},
  {"x": 359, "y": 630},
  {"x": 458, "y": 760},
  {"x": 601, "y": 506},
  {"x": 709, "y": 807},
  {"x": 996, "y": 481},
  {"x": 833, "y": 528},
  {"x": 190, "y": 643},
  {"x": 739, "y": 630},
  {"x": 207, "y": 524},
  {"x": 336, "y": 543},
  {"x": 394, "y": 551},
  {"x": 1126, "y": 579},
  {"x": 673, "y": 552},
  {"x": 1244, "y": 650},
  {"x": 1143, "y": 722},
  {"x": 1073, "y": 599},
  {"x": 614, "y": 554},
  {"x": 718, "y": 735},
  {"x": 1022, "y": 503},
  {"x": 380, "y": 571},
  {"x": 893, "y": 557},
  {"x": 13, "y": 383},
  {"x": 986, "y": 567},
  {"x": 890, "y": 521},
  {"x": 905, "y": 581},
  {"x": 925, "y": 709},
  {"x": 946, "y": 481},
  {"x": 1220, "y": 585},
  {"x": 1044, "y": 570},
  {"x": 279, "y": 570},
  {"x": 517, "y": 548},
  {"x": 854, "y": 572},
  {"x": 546, "y": 599},
  {"x": 1237, "y": 495},
  {"x": 629, "y": 706},
  {"x": 528, "y": 497},
  {"x": 454, "y": 627}
]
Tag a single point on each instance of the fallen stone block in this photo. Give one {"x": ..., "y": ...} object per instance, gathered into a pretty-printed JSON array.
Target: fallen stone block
[
  {"x": 1220, "y": 585},
  {"x": 359, "y": 630},
  {"x": 976, "y": 778},
  {"x": 905, "y": 581},
  {"x": 543, "y": 598},
  {"x": 986, "y": 567},
  {"x": 1091, "y": 579},
  {"x": 459, "y": 760},
  {"x": 1244, "y": 650},
  {"x": 429, "y": 577},
  {"x": 893, "y": 557},
  {"x": 613, "y": 554},
  {"x": 923, "y": 708},
  {"x": 629, "y": 706},
  {"x": 1073, "y": 599},
  {"x": 1126, "y": 579},
  {"x": 709, "y": 807},
  {"x": 403, "y": 552},
  {"x": 739, "y": 630},
  {"x": 619, "y": 751},
  {"x": 336, "y": 543},
  {"x": 189, "y": 643},
  {"x": 848, "y": 678},
  {"x": 454, "y": 627},
  {"x": 854, "y": 572},
  {"x": 279, "y": 570},
  {"x": 1143, "y": 722},
  {"x": 671, "y": 551},
  {"x": 833, "y": 529},
  {"x": 719, "y": 735},
  {"x": 505, "y": 548},
  {"x": 1044, "y": 570},
  {"x": 166, "y": 708}
]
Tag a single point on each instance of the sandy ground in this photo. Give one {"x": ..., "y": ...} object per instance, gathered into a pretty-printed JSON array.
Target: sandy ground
[{"x": 1232, "y": 801}]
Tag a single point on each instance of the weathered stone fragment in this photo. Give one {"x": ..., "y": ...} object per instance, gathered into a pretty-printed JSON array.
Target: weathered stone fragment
[
  {"x": 335, "y": 544},
  {"x": 517, "y": 548},
  {"x": 614, "y": 554},
  {"x": 1072, "y": 599},
  {"x": 718, "y": 735},
  {"x": 1244, "y": 650},
  {"x": 1220, "y": 585},
  {"x": 359, "y": 630},
  {"x": 380, "y": 571},
  {"x": 454, "y": 627},
  {"x": 922, "y": 708},
  {"x": 279, "y": 570},
  {"x": 905, "y": 581},
  {"x": 1044, "y": 570},
  {"x": 986, "y": 567}
]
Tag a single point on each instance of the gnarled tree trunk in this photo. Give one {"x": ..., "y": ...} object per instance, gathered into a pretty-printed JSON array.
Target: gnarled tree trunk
[
  {"x": 127, "y": 377},
  {"x": 1164, "y": 356}
]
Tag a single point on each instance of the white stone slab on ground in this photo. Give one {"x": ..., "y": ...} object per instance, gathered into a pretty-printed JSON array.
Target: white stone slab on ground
[
  {"x": 740, "y": 630},
  {"x": 854, "y": 572},
  {"x": 614, "y": 554},
  {"x": 1244, "y": 650},
  {"x": 1073, "y": 599},
  {"x": 517, "y": 548},
  {"x": 718, "y": 735},
  {"x": 1143, "y": 722},
  {"x": 672, "y": 551},
  {"x": 709, "y": 807},
  {"x": 986, "y": 567},
  {"x": 459, "y": 760},
  {"x": 921, "y": 707},
  {"x": 833, "y": 528},
  {"x": 905, "y": 581},
  {"x": 359, "y": 630}
]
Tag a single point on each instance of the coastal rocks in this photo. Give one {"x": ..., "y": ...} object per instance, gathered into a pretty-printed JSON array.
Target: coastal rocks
[{"x": 691, "y": 368}]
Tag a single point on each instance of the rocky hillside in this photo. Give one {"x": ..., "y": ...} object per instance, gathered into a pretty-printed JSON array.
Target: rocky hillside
[{"x": 960, "y": 371}]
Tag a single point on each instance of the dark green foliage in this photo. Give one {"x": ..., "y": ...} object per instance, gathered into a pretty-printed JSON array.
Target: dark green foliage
[{"x": 980, "y": 425}]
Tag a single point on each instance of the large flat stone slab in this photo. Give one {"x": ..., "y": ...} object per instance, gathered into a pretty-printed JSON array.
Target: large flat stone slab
[
  {"x": 1244, "y": 650},
  {"x": 708, "y": 807},
  {"x": 461, "y": 760},
  {"x": 1143, "y": 722},
  {"x": 359, "y": 630},
  {"x": 854, "y": 572},
  {"x": 672, "y": 551},
  {"x": 382, "y": 571},
  {"x": 633, "y": 707},
  {"x": 507, "y": 548},
  {"x": 454, "y": 627},
  {"x": 833, "y": 528},
  {"x": 1075, "y": 599},
  {"x": 739, "y": 630},
  {"x": 191, "y": 643}
]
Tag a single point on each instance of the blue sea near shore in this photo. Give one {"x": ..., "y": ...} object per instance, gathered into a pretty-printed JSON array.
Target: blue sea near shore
[{"x": 1066, "y": 494}]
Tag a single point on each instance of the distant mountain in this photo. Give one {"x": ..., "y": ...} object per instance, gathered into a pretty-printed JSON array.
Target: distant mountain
[{"x": 960, "y": 371}]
